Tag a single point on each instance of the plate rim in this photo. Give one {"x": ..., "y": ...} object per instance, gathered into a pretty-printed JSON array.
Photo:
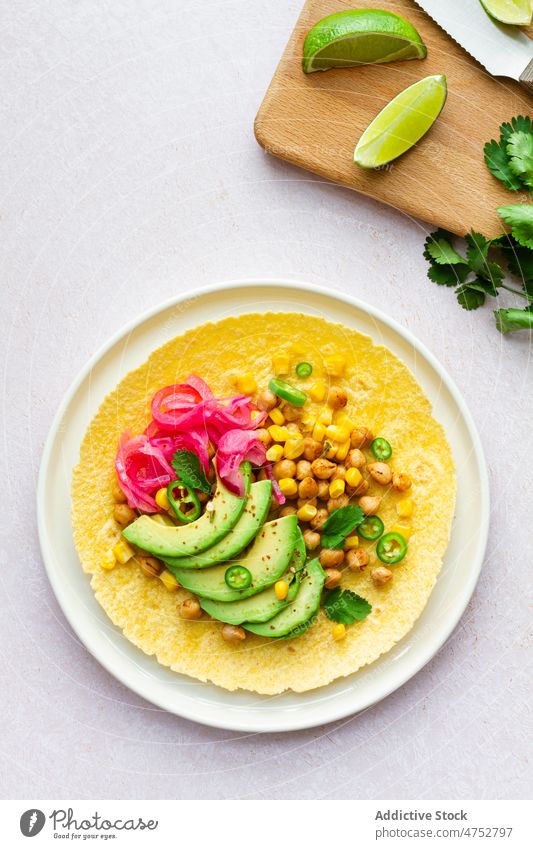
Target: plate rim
[{"x": 328, "y": 712}]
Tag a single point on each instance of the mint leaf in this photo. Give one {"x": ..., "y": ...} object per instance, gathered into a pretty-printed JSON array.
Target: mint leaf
[
  {"x": 520, "y": 153},
  {"x": 345, "y": 606},
  {"x": 507, "y": 321},
  {"x": 469, "y": 297},
  {"x": 188, "y": 469},
  {"x": 339, "y": 524},
  {"x": 497, "y": 162},
  {"x": 438, "y": 247},
  {"x": 519, "y": 216}
]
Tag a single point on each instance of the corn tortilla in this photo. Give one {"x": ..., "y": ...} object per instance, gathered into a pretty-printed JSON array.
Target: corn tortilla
[{"x": 383, "y": 395}]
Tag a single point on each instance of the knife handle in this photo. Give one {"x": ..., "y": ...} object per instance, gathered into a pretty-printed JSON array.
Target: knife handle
[{"x": 526, "y": 77}]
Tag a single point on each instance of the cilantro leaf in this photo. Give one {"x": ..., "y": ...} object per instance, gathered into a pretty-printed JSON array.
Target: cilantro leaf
[
  {"x": 188, "y": 469},
  {"x": 497, "y": 162},
  {"x": 520, "y": 153},
  {"x": 339, "y": 524},
  {"x": 478, "y": 249},
  {"x": 448, "y": 275},
  {"x": 507, "y": 321},
  {"x": 520, "y": 124},
  {"x": 519, "y": 216},
  {"x": 469, "y": 297},
  {"x": 346, "y": 606},
  {"x": 439, "y": 248},
  {"x": 519, "y": 259}
]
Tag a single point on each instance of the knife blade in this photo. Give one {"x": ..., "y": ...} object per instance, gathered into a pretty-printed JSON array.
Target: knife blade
[{"x": 504, "y": 50}]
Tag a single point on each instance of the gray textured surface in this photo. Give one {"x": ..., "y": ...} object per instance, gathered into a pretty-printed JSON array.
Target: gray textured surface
[{"x": 129, "y": 172}]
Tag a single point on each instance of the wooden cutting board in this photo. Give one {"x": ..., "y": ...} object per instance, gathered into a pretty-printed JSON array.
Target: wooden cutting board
[{"x": 314, "y": 121}]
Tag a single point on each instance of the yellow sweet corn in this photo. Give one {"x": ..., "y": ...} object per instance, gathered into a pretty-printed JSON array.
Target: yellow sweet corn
[
  {"x": 330, "y": 450},
  {"x": 294, "y": 448},
  {"x": 336, "y": 488},
  {"x": 337, "y": 433},
  {"x": 246, "y": 383},
  {"x": 325, "y": 416},
  {"x": 335, "y": 365},
  {"x": 317, "y": 392},
  {"x": 404, "y": 530},
  {"x": 339, "y": 631},
  {"x": 108, "y": 562},
  {"x": 353, "y": 477},
  {"x": 277, "y": 416},
  {"x": 288, "y": 486},
  {"x": 307, "y": 512},
  {"x": 161, "y": 499},
  {"x": 351, "y": 541},
  {"x": 404, "y": 508},
  {"x": 169, "y": 581},
  {"x": 274, "y": 453},
  {"x": 278, "y": 433},
  {"x": 122, "y": 551},
  {"x": 319, "y": 432},
  {"x": 281, "y": 364},
  {"x": 343, "y": 450},
  {"x": 281, "y": 588}
]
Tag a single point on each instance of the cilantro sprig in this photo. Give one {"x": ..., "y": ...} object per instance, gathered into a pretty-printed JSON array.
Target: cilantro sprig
[
  {"x": 346, "y": 606},
  {"x": 188, "y": 469},
  {"x": 339, "y": 524}
]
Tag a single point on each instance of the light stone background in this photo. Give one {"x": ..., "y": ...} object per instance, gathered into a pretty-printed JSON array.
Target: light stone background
[{"x": 129, "y": 173}]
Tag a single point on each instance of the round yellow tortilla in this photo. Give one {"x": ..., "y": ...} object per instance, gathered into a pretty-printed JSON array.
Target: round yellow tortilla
[{"x": 383, "y": 395}]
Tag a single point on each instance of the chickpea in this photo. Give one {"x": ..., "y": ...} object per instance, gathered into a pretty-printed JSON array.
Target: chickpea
[
  {"x": 267, "y": 400},
  {"x": 360, "y": 437},
  {"x": 118, "y": 495},
  {"x": 262, "y": 476},
  {"x": 339, "y": 473},
  {"x": 336, "y": 503},
  {"x": 292, "y": 414},
  {"x": 322, "y": 468},
  {"x": 331, "y": 558},
  {"x": 303, "y": 469},
  {"x": 150, "y": 566},
  {"x": 357, "y": 559},
  {"x": 292, "y": 427},
  {"x": 356, "y": 458},
  {"x": 369, "y": 504},
  {"x": 321, "y": 516},
  {"x": 312, "y": 448},
  {"x": 302, "y": 502},
  {"x": 233, "y": 633},
  {"x": 381, "y": 576},
  {"x": 123, "y": 514},
  {"x": 323, "y": 490},
  {"x": 284, "y": 469},
  {"x": 308, "y": 488},
  {"x": 381, "y": 472},
  {"x": 312, "y": 540},
  {"x": 287, "y": 510},
  {"x": 337, "y": 398},
  {"x": 333, "y": 578},
  {"x": 264, "y": 436},
  {"x": 401, "y": 481},
  {"x": 361, "y": 488},
  {"x": 190, "y": 609},
  {"x": 203, "y": 497}
]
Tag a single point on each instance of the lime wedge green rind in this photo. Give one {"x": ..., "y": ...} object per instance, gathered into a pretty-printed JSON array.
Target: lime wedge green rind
[
  {"x": 402, "y": 122},
  {"x": 515, "y": 12},
  {"x": 360, "y": 37}
]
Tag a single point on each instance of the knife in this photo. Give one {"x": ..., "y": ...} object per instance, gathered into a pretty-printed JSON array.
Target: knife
[{"x": 504, "y": 50}]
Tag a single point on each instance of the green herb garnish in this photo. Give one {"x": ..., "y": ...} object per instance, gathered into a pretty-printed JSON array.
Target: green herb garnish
[
  {"x": 339, "y": 524},
  {"x": 345, "y": 606},
  {"x": 188, "y": 469}
]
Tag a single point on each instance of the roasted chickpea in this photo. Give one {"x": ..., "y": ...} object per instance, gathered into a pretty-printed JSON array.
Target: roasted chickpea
[
  {"x": 264, "y": 436},
  {"x": 323, "y": 490},
  {"x": 356, "y": 458},
  {"x": 118, "y": 495},
  {"x": 401, "y": 481},
  {"x": 190, "y": 609},
  {"x": 381, "y": 472},
  {"x": 360, "y": 437},
  {"x": 308, "y": 488},
  {"x": 312, "y": 448},
  {"x": 123, "y": 514},
  {"x": 311, "y": 539},
  {"x": 292, "y": 414},
  {"x": 361, "y": 488},
  {"x": 322, "y": 468},
  {"x": 262, "y": 476},
  {"x": 369, "y": 504},
  {"x": 203, "y": 497},
  {"x": 150, "y": 566},
  {"x": 267, "y": 400},
  {"x": 233, "y": 633},
  {"x": 287, "y": 510},
  {"x": 284, "y": 469},
  {"x": 302, "y": 502},
  {"x": 319, "y": 519},
  {"x": 381, "y": 575},
  {"x": 357, "y": 559},
  {"x": 339, "y": 473},
  {"x": 331, "y": 558},
  {"x": 292, "y": 427},
  {"x": 337, "y": 398},
  {"x": 336, "y": 503},
  {"x": 333, "y": 578},
  {"x": 303, "y": 469}
]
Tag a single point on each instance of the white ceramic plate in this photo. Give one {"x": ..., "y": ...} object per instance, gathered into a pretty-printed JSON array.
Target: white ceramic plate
[{"x": 204, "y": 702}]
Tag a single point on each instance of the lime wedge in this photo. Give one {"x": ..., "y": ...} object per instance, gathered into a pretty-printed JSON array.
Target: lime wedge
[
  {"x": 360, "y": 37},
  {"x": 402, "y": 122},
  {"x": 518, "y": 12}
]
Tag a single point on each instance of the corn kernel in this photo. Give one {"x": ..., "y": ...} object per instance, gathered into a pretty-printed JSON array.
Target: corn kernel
[
  {"x": 325, "y": 416},
  {"x": 281, "y": 588},
  {"x": 336, "y": 488},
  {"x": 255, "y": 414},
  {"x": 339, "y": 631},
  {"x": 281, "y": 364},
  {"x": 122, "y": 551},
  {"x": 335, "y": 365},
  {"x": 288, "y": 486},
  {"x": 404, "y": 508},
  {"x": 108, "y": 562},
  {"x": 161, "y": 499},
  {"x": 299, "y": 349},
  {"x": 277, "y": 416},
  {"x": 343, "y": 450},
  {"x": 278, "y": 433},
  {"x": 246, "y": 383},
  {"x": 307, "y": 512},
  {"x": 294, "y": 448},
  {"x": 274, "y": 453},
  {"x": 404, "y": 530},
  {"x": 169, "y": 581},
  {"x": 353, "y": 477},
  {"x": 338, "y": 434},
  {"x": 351, "y": 541},
  {"x": 317, "y": 392},
  {"x": 330, "y": 450},
  {"x": 319, "y": 432}
]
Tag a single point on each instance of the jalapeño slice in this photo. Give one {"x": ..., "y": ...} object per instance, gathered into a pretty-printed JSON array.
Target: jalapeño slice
[
  {"x": 238, "y": 577},
  {"x": 189, "y": 497},
  {"x": 289, "y": 393},
  {"x": 371, "y": 528},
  {"x": 304, "y": 369},
  {"x": 391, "y": 548},
  {"x": 381, "y": 448}
]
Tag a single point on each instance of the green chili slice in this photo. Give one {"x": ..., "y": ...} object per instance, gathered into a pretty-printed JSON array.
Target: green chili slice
[
  {"x": 190, "y": 497},
  {"x": 391, "y": 548},
  {"x": 289, "y": 393},
  {"x": 238, "y": 577},
  {"x": 304, "y": 369},
  {"x": 371, "y": 528},
  {"x": 381, "y": 449}
]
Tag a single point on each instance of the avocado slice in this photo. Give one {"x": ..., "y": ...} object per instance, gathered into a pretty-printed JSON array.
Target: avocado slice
[
  {"x": 300, "y": 612},
  {"x": 264, "y": 605},
  {"x": 253, "y": 516},
  {"x": 267, "y": 560},
  {"x": 195, "y": 537}
]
